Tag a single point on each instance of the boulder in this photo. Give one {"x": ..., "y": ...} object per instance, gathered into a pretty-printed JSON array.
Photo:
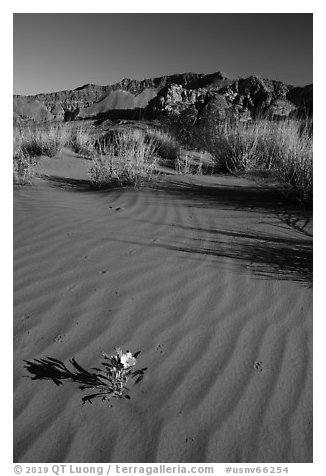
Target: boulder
[
  {"x": 58, "y": 112},
  {"x": 280, "y": 108}
]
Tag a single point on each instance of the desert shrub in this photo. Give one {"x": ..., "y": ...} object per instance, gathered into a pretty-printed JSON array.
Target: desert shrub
[
  {"x": 125, "y": 157},
  {"x": 183, "y": 127},
  {"x": 186, "y": 164},
  {"x": 166, "y": 145},
  {"x": 239, "y": 147},
  {"x": 36, "y": 140},
  {"x": 295, "y": 169},
  {"x": 82, "y": 141},
  {"x": 33, "y": 140},
  {"x": 24, "y": 169},
  {"x": 283, "y": 147}
]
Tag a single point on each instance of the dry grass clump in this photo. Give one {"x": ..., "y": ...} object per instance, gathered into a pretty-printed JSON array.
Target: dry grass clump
[
  {"x": 166, "y": 146},
  {"x": 32, "y": 141},
  {"x": 37, "y": 140},
  {"x": 186, "y": 164},
  {"x": 24, "y": 169},
  {"x": 83, "y": 142},
  {"x": 295, "y": 169},
  {"x": 283, "y": 147},
  {"x": 125, "y": 157}
]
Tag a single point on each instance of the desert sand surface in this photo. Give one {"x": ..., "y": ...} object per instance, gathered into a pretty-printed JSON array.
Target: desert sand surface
[
  {"x": 119, "y": 100},
  {"x": 209, "y": 277}
]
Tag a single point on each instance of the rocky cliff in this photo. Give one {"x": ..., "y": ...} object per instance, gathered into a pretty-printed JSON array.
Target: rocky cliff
[{"x": 204, "y": 94}]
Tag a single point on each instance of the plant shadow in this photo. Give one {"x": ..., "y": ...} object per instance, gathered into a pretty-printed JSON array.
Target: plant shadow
[
  {"x": 53, "y": 369},
  {"x": 268, "y": 255},
  {"x": 76, "y": 185},
  {"x": 264, "y": 257}
]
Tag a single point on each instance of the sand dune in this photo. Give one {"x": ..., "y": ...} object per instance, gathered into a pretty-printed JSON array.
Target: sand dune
[
  {"x": 210, "y": 278},
  {"x": 143, "y": 98},
  {"x": 119, "y": 100}
]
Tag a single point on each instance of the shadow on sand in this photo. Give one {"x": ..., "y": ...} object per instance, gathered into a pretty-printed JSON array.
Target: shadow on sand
[
  {"x": 55, "y": 370},
  {"x": 268, "y": 256},
  {"x": 265, "y": 256},
  {"x": 71, "y": 184}
]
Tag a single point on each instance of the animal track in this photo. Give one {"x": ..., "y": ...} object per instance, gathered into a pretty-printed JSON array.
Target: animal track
[
  {"x": 24, "y": 317},
  {"x": 160, "y": 348},
  {"x": 258, "y": 365},
  {"x": 117, "y": 209}
]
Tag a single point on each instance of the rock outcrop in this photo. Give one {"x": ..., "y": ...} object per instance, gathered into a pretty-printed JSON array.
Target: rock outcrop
[
  {"x": 302, "y": 98},
  {"x": 242, "y": 99},
  {"x": 30, "y": 108}
]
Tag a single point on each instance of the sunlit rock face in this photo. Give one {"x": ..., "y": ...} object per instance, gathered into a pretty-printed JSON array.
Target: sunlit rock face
[{"x": 207, "y": 95}]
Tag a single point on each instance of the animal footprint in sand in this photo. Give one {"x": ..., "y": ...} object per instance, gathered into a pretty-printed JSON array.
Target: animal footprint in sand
[
  {"x": 160, "y": 348},
  {"x": 117, "y": 209},
  {"x": 258, "y": 365},
  {"x": 59, "y": 338},
  {"x": 189, "y": 440}
]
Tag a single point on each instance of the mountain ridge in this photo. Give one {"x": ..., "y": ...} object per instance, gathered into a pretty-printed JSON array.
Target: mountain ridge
[{"x": 244, "y": 97}]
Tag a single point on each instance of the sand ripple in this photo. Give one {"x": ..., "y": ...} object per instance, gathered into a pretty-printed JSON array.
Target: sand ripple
[{"x": 196, "y": 284}]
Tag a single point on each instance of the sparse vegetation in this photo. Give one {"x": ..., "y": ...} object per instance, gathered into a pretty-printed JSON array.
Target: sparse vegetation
[
  {"x": 32, "y": 141},
  {"x": 285, "y": 148},
  {"x": 125, "y": 157},
  {"x": 37, "y": 140},
  {"x": 296, "y": 168},
  {"x": 186, "y": 164},
  {"x": 166, "y": 145},
  {"x": 130, "y": 155},
  {"x": 82, "y": 142},
  {"x": 24, "y": 169}
]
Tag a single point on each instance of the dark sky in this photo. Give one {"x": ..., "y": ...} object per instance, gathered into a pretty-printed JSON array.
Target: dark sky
[{"x": 53, "y": 52}]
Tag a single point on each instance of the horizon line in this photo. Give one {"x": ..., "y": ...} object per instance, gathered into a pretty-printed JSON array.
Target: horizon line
[{"x": 157, "y": 77}]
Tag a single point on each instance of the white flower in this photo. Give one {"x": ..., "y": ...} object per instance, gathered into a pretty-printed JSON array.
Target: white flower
[{"x": 127, "y": 360}]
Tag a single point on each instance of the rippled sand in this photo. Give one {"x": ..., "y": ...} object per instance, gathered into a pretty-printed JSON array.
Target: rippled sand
[{"x": 209, "y": 277}]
